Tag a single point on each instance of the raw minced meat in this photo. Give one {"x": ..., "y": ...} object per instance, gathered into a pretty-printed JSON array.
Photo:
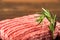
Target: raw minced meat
[{"x": 26, "y": 28}]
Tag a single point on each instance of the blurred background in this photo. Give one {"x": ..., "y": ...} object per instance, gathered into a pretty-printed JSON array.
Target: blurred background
[{"x": 17, "y": 8}]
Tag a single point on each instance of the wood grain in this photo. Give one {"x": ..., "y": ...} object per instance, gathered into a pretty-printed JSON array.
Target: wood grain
[
  {"x": 30, "y": 1},
  {"x": 17, "y": 8}
]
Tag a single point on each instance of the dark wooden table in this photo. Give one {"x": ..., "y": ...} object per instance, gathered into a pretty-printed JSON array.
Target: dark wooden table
[{"x": 12, "y": 9}]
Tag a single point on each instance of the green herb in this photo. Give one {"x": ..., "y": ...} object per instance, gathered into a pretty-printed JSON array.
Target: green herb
[
  {"x": 51, "y": 18},
  {"x": 40, "y": 18}
]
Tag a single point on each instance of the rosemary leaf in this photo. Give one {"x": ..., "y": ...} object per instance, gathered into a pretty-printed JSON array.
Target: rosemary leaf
[
  {"x": 40, "y": 19},
  {"x": 51, "y": 18}
]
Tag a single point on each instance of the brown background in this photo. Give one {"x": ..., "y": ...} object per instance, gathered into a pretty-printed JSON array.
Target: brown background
[{"x": 16, "y": 8}]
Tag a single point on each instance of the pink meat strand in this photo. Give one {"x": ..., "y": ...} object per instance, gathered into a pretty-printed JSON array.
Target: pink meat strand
[{"x": 26, "y": 28}]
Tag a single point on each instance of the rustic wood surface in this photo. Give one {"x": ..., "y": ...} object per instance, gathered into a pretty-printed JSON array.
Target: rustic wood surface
[
  {"x": 17, "y": 8},
  {"x": 30, "y": 1}
]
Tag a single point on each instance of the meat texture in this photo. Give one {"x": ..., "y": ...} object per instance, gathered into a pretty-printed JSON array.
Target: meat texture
[{"x": 26, "y": 28}]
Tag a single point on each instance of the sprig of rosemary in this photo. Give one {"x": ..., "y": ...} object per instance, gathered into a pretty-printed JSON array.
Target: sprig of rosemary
[{"x": 51, "y": 19}]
